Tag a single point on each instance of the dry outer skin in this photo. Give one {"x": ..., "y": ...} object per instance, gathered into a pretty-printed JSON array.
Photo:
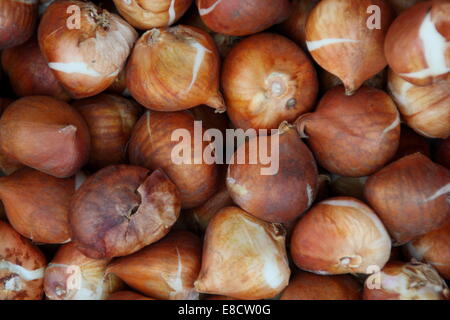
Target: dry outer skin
[
  {"x": 121, "y": 209},
  {"x": 411, "y": 196},
  {"x": 243, "y": 257},
  {"x": 21, "y": 267},
  {"x": 164, "y": 270}
]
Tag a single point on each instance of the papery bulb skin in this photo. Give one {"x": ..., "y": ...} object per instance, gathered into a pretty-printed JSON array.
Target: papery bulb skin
[
  {"x": 119, "y": 86},
  {"x": 110, "y": 119},
  {"x": 410, "y": 196},
  {"x": 37, "y": 205},
  {"x": 295, "y": 25},
  {"x": 8, "y": 165},
  {"x": 243, "y": 257},
  {"x": 121, "y": 209},
  {"x": 309, "y": 286},
  {"x": 21, "y": 267},
  {"x": 416, "y": 43},
  {"x": 347, "y": 41},
  {"x": 241, "y": 18},
  {"x": 174, "y": 69},
  {"x": 411, "y": 142},
  {"x": 45, "y": 134},
  {"x": 147, "y": 14},
  {"x": 434, "y": 249},
  {"x": 127, "y": 295},
  {"x": 340, "y": 235},
  {"x": 406, "y": 281},
  {"x": 164, "y": 270},
  {"x": 401, "y": 5},
  {"x": 18, "y": 21},
  {"x": 73, "y": 276},
  {"x": 85, "y": 50},
  {"x": 28, "y": 72},
  {"x": 267, "y": 79},
  {"x": 281, "y": 190},
  {"x": 425, "y": 109},
  {"x": 442, "y": 155},
  {"x": 352, "y": 136},
  {"x": 151, "y": 146}
]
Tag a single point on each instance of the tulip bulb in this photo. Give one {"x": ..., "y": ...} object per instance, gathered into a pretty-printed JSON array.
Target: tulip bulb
[
  {"x": 29, "y": 73},
  {"x": 340, "y": 235},
  {"x": 110, "y": 120},
  {"x": 151, "y": 146},
  {"x": 37, "y": 205},
  {"x": 17, "y": 21},
  {"x": 280, "y": 196},
  {"x": 267, "y": 79},
  {"x": 241, "y": 18},
  {"x": 121, "y": 209},
  {"x": 434, "y": 248},
  {"x": 406, "y": 281},
  {"x": 73, "y": 276},
  {"x": 347, "y": 41},
  {"x": 411, "y": 142},
  {"x": 85, "y": 50},
  {"x": 352, "y": 136},
  {"x": 21, "y": 267},
  {"x": 401, "y": 5},
  {"x": 243, "y": 257},
  {"x": 147, "y": 14},
  {"x": 416, "y": 46},
  {"x": 309, "y": 286},
  {"x": 164, "y": 270},
  {"x": 410, "y": 196},
  {"x": 45, "y": 134},
  {"x": 174, "y": 69},
  {"x": 328, "y": 80},
  {"x": 424, "y": 108}
]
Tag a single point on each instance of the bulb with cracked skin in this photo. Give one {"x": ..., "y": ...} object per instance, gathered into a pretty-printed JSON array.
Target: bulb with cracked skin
[
  {"x": 406, "y": 281},
  {"x": 147, "y": 14},
  {"x": 164, "y": 270},
  {"x": 267, "y": 79},
  {"x": 176, "y": 68},
  {"x": 243, "y": 257},
  {"x": 425, "y": 109},
  {"x": 73, "y": 276},
  {"x": 352, "y": 136},
  {"x": 21, "y": 267},
  {"x": 45, "y": 134},
  {"x": 347, "y": 41},
  {"x": 85, "y": 46},
  {"x": 121, "y": 209},
  {"x": 279, "y": 191},
  {"x": 411, "y": 196},
  {"x": 340, "y": 235},
  {"x": 416, "y": 45},
  {"x": 434, "y": 249}
]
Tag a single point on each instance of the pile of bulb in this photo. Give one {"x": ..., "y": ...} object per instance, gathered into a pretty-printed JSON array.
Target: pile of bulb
[{"x": 94, "y": 206}]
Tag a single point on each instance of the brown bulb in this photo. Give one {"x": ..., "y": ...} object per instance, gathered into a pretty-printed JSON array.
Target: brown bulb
[
  {"x": 164, "y": 270},
  {"x": 151, "y": 146},
  {"x": 45, "y": 134},
  {"x": 110, "y": 120},
  {"x": 121, "y": 209},
  {"x": 18, "y": 21},
  {"x": 354, "y": 135},
  {"x": 37, "y": 205},
  {"x": 410, "y": 196}
]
